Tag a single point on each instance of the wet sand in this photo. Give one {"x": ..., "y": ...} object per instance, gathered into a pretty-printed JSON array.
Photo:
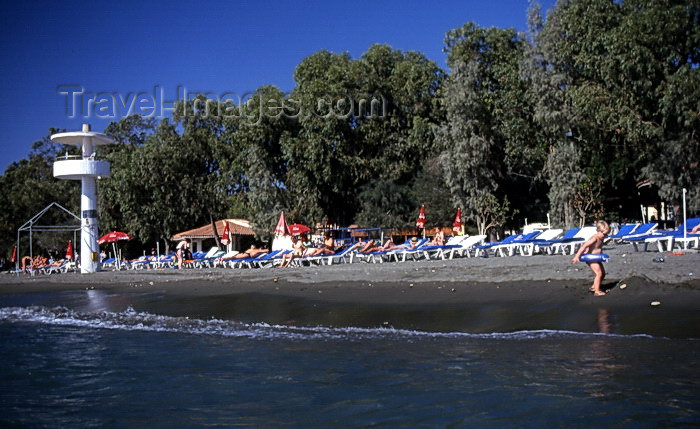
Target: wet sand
[{"x": 476, "y": 295}]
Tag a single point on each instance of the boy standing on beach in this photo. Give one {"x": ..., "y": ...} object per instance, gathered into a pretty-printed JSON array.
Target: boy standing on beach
[{"x": 595, "y": 245}]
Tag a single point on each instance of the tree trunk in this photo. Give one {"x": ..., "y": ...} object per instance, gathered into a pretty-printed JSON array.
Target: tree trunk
[{"x": 216, "y": 233}]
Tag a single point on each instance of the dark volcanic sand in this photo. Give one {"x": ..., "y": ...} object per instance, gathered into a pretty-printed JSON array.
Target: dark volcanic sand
[{"x": 476, "y": 295}]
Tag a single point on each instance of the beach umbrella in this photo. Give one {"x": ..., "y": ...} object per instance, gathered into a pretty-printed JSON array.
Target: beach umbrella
[
  {"x": 298, "y": 229},
  {"x": 282, "y": 227},
  {"x": 420, "y": 223},
  {"x": 226, "y": 236},
  {"x": 69, "y": 252},
  {"x": 14, "y": 255},
  {"x": 457, "y": 224},
  {"x": 113, "y": 237}
]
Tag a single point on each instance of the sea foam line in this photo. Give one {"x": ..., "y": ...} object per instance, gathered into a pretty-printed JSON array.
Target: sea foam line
[{"x": 132, "y": 320}]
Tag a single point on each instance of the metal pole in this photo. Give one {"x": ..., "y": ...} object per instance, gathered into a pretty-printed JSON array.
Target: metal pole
[
  {"x": 18, "y": 253},
  {"x": 685, "y": 219}
]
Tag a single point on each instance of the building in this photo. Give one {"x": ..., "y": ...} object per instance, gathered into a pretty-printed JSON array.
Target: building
[{"x": 203, "y": 237}]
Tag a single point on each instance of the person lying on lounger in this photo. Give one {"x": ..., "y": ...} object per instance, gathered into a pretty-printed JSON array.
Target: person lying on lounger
[
  {"x": 364, "y": 246},
  {"x": 252, "y": 252},
  {"x": 390, "y": 245},
  {"x": 33, "y": 263}
]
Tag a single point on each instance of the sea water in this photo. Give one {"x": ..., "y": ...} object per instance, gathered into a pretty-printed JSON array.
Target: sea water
[{"x": 85, "y": 366}]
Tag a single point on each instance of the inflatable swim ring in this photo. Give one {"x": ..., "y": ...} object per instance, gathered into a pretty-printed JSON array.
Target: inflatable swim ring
[{"x": 594, "y": 257}]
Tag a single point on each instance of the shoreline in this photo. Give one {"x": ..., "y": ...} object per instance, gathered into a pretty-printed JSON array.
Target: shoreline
[{"x": 475, "y": 295}]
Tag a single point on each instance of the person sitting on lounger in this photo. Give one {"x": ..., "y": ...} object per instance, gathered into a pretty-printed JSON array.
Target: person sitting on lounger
[
  {"x": 327, "y": 248},
  {"x": 438, "y": 238},
  {"x": 298, "y": 249}
]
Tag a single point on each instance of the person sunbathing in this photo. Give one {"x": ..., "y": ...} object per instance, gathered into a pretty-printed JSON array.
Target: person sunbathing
[
  {"x": 33, "y": 263},
  {"x": 298, "y": 249},
  {"x": 438, "y": 238},
  {"x": 327, "y": 248},
  {"x": 364, "y": 246},
  {"x": 252, "y": 252},
  {"x": 390, "y": 245}
]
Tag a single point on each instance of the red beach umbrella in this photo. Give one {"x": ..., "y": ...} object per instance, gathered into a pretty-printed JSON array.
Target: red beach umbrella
[
  {"x": 297, "y": 229},
  {"x": 420, "y": 223},
  {"x": 282, "y": 227},
  {"x": 457, "y": 224},
  {"x": 69, "y": 252},
  {"x": 113, "y": 237},
  {"x": 14, "y": 255},
  {"x": 226, "y": 236}
]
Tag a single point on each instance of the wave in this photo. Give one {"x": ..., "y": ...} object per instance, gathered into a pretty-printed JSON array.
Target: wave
[{"x": 132, "y": 320}]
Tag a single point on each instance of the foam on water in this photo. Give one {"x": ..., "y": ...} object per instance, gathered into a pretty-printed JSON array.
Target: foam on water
[{"x": 142, "y": 321}]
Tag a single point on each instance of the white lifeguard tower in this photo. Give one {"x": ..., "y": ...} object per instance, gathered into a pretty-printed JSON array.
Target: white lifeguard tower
[{"x": 87, "y": 169}]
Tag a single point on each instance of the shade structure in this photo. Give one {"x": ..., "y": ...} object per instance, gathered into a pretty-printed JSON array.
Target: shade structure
[
  {"x": 282, "y": 227},
  {"x": 226, "y": 236},
  {"x": 113, "y": 237},
  {"x": 420, "y": 223},
  {"x": 297, "y": 228},
  {"x": 69, "y": 251},
  {"x": 457, "y": 224}
]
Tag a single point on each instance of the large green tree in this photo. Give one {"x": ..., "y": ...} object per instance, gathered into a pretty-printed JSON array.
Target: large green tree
[
  {"x": 489, "y": 156},
  {"x": 28, "y": 186},
  {"x": 628, "y": 73}
]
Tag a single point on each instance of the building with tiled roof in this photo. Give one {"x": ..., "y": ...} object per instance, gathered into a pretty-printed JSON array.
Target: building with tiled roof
[{"x": 203, "y": 236}]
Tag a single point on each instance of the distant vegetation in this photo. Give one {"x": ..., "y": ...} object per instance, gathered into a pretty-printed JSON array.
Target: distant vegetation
[{"x": 565, "y": 119}]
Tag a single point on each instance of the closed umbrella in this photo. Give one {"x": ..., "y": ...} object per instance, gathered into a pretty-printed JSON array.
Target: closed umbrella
[
  {"x": 226, "y": 236},
  {"x": 69, "y": 252},
  {"x": 457, "y": 224},
  {"x": 14, "y": 255},
  {"x": 282, "y": 227},
  {"x": 420, "y": 223}
]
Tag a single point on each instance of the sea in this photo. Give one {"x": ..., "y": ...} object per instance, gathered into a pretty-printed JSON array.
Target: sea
[{"x": 75, "y": 360}]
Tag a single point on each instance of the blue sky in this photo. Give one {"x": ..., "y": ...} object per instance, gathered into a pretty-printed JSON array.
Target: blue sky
[{"x": 131, "y": 47}]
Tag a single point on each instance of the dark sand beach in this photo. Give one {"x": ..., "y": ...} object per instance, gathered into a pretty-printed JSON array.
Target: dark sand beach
[{"x": 476, "y": 295}]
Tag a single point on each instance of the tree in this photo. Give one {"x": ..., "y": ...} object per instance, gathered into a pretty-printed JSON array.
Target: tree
[
  {"x": 486, "y": 149},
  {"x": 256, "y": 166},
  {"x": 628, "y": 112},
  {"x": 29, "y": 186}
]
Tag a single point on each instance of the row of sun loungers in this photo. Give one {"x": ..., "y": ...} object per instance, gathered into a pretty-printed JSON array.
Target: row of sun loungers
[
  {"x": 681, "y": 237},
  {"x": 63, "y": 266},
  {"x": 548, "y": 242}
]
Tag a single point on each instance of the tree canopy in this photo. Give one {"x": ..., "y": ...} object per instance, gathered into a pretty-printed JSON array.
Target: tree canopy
[{"x": 565, "y": 119}]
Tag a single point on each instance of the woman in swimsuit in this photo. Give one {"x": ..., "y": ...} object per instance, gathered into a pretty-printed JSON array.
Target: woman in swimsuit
[
  {"x": 298, "y": 249},
  {"x": 327, "y": 248}
]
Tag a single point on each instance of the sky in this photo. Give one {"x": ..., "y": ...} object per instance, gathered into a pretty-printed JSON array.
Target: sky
[{"x": 58, "y": 55}]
